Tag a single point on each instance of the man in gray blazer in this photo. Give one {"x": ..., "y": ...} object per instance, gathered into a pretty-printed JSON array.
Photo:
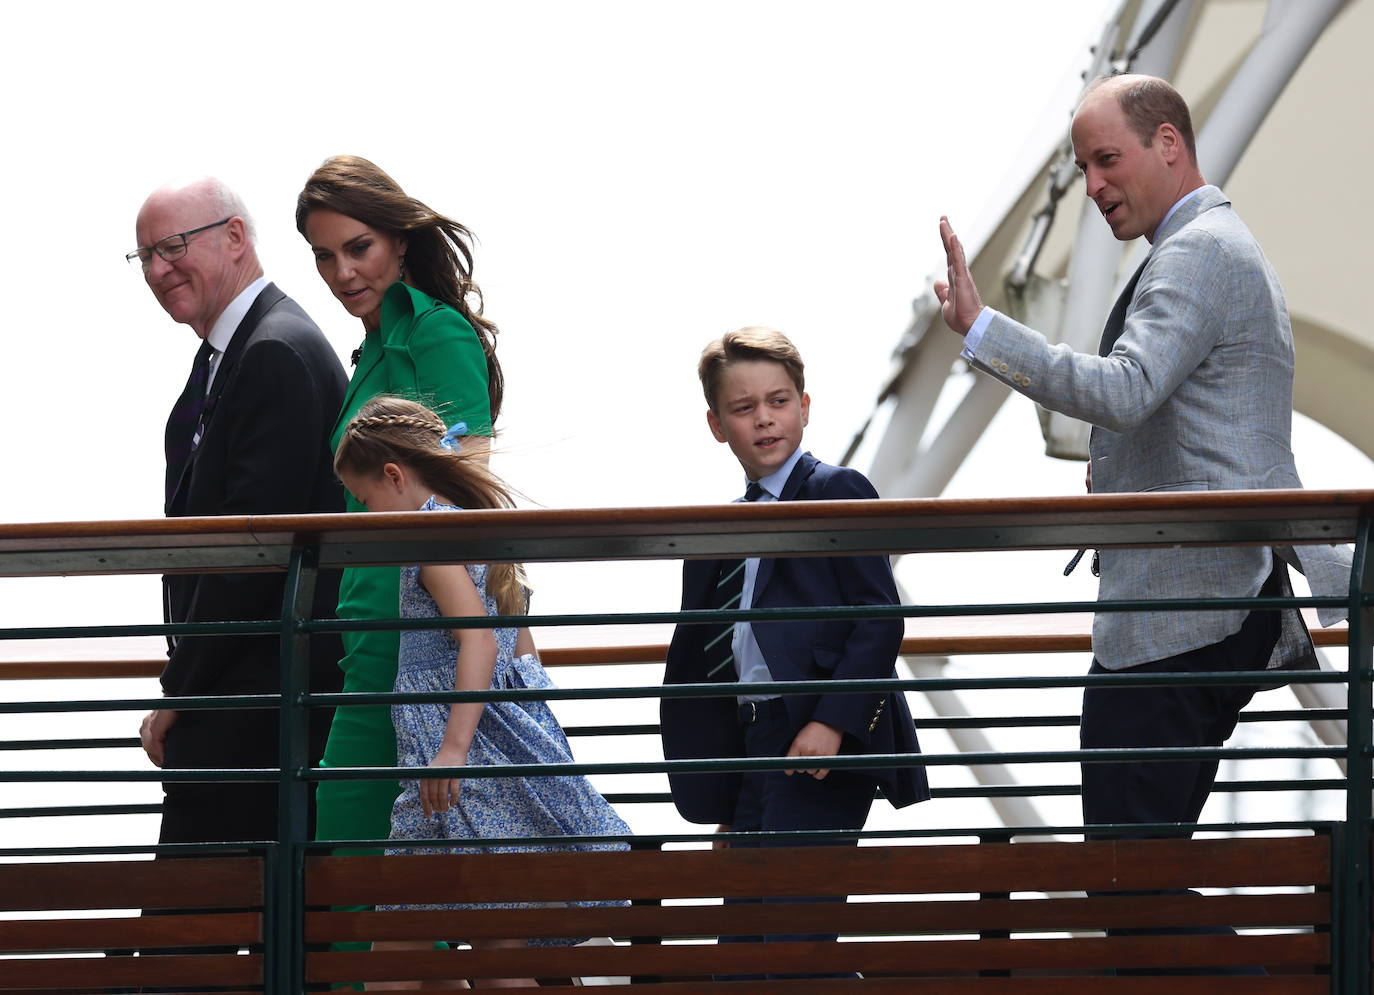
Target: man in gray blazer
[{"x": 1191, "y": 390}]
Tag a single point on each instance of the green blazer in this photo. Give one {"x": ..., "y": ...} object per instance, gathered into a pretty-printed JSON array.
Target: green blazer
[{"x": 424, "y": 350}]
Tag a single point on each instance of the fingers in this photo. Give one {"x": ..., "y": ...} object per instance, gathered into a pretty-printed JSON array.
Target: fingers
[
  {"x": 437, "y": 795},
  {"x": 150, "y": 738},
  {"x": 817, "y": 772}
]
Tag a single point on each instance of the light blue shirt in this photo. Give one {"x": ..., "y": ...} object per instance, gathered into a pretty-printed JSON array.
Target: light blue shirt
[
  {"x": 749, "y": 661},
  {"x": 980, "y": 324}
]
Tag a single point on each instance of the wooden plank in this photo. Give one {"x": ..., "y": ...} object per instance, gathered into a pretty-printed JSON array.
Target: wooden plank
[
  {"x": 926, "y": 957},
  {"x": 890, "y": 918},
  {"x": 127, "y": 972},
  {"x": 190, "y": 882},
  {"x": 1099, "y": 985},
  {"x": 1115, "y": 865},
  {"x": 142, "y": 932}
]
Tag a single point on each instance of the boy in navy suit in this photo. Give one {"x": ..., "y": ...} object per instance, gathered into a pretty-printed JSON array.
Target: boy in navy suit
[{"x": 754, "y": 383}]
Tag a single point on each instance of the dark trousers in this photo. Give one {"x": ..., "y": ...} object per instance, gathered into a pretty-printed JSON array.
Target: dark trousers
[
  {"x": 771, "y": 801},
  {"x": 1169, "y": 715}
]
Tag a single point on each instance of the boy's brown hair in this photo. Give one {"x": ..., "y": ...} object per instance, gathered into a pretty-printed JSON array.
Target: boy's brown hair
[{"x": 752, "y": 342}]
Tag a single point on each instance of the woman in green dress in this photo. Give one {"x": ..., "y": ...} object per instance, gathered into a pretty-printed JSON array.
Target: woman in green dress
[{"x": 406, "y": 271}]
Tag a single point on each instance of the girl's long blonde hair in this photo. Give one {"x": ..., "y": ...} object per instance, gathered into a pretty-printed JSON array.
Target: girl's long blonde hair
[{"x": 395, "y": 430}]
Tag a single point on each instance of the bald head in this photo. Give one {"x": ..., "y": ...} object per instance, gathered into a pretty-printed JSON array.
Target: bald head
[{"x": 210, "y": 266}]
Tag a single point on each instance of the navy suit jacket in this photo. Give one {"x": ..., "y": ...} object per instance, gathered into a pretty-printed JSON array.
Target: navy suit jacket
[{"x": 840, "y": 649}]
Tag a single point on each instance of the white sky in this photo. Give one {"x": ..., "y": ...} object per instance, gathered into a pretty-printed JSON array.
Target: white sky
[{"x": 641, "y": 177}]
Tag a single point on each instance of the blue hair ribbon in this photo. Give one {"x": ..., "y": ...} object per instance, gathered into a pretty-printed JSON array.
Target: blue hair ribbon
[{"x": 451, "y": 437}]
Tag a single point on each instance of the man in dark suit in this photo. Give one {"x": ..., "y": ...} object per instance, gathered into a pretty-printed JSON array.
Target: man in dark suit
[
  {"x": 248, "y": 436},
  {"x": 753, "y": 381}
]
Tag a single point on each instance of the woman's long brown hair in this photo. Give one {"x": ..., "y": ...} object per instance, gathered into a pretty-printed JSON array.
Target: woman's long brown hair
[{"x": 438, "y": 255}]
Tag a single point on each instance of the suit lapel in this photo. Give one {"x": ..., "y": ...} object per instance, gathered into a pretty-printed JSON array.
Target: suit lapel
[
  {"x": 1206, "y": 198},
  {"x": 265, "y": 301},
  {"x": 795, "y": 480},
  {"x": 1116, "y": 321}
]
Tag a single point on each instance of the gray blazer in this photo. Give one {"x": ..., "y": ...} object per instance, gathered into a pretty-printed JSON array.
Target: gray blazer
[{"x": 1196, "y": 393}]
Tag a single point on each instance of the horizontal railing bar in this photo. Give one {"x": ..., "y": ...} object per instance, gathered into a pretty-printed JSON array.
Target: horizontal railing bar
[
  {"x": 126, "y": 742},
  {"x": 243, "y": 701},
  {"x": 727, "y": 764},
  {"x": 1314, "y": 827},
  {"x": 62, "y": 811},
  {"x": 880, "y": 685},
  {"x": 950, "y": 644},
  {"x": 652, "y": 729},
  {"x": 692, "y": 617},
  {"x": 664, "y": 798},
  {"x": 771, "y": 529},
  {"x": 716, "y": 690},
  {"x": 661, "y": 839}
]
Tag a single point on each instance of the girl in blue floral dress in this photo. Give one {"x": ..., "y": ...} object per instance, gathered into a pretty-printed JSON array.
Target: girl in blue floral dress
[{"x": 396, "y": 455}]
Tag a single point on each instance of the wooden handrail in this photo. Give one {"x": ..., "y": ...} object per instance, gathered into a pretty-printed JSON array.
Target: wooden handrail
[{"x": 801, "y": 528}]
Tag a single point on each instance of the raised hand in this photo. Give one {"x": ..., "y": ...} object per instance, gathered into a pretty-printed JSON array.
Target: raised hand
[{"x": 959, "y": 300}]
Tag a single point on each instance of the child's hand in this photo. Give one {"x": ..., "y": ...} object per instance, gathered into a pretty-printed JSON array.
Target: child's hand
[
  {"x": 721, "y": 844},
  {"x": 439, "y": 794},
  {"x": 816, "y": 739}
]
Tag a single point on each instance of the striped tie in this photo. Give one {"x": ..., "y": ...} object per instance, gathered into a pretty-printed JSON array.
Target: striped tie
[{"x": 719, "y": 650}]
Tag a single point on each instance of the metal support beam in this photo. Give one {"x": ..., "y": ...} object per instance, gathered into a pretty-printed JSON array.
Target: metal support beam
[
  {"x": 1291, "y": 28},
  {"x": 1350, "y": 954},
  {"x": 284, "y": 925}
]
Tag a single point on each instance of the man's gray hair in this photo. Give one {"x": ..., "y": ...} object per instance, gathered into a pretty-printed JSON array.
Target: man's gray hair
[{"x": 230, "y": 204}]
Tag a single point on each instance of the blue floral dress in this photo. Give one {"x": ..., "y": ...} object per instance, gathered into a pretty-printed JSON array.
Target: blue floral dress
[{"x": 509, "y": 732}]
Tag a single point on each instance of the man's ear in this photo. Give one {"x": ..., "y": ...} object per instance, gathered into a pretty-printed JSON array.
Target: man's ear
[
  {"x": 236, "y": 231},
  {"x": 1170, "y": 142},
  {"x": 714, "y": 422}
]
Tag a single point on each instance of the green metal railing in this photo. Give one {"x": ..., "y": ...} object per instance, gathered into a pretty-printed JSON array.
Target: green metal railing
[{"x": 304, "y": 545}]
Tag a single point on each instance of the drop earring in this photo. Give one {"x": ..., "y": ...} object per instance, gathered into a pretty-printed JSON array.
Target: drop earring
[{"x": 402, "y": 263}]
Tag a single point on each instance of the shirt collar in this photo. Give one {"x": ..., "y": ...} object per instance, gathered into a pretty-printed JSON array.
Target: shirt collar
[
  {"x": 777, "y": 480},
  {"x": 222, "y": 332},
  {"x": 1177, "y": 204}
]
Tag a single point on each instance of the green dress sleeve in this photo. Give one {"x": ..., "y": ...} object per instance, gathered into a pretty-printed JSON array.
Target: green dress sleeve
[{"x": 440, "y": 363}]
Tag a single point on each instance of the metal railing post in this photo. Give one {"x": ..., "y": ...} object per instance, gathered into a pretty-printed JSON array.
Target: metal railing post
[
  {"x": 284, "y": 925},
  {"x": 1352, "y": 952}
]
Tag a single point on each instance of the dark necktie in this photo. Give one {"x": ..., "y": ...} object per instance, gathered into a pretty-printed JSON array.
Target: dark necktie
[
  {"x": 185, "y": 417},
  {"x": 719, "y": 649},
  {"x": 1116, "y": 321}
]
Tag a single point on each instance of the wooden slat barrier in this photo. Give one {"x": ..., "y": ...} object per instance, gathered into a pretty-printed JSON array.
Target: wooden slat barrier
[
  {"x": 923, "y": 925},
  {"x": 204, "y": 910}
]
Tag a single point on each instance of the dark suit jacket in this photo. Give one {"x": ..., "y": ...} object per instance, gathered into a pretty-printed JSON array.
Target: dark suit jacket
[
  {"x": 842, "y": 649},
  {"x": 264, "y": 451}
]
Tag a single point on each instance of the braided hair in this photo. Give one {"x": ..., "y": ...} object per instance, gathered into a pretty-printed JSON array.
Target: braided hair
[{"x": 394, "y": 430}]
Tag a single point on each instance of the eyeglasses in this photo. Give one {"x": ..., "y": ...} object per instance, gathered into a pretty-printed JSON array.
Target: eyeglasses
[{"x": 171, "y": 248}]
